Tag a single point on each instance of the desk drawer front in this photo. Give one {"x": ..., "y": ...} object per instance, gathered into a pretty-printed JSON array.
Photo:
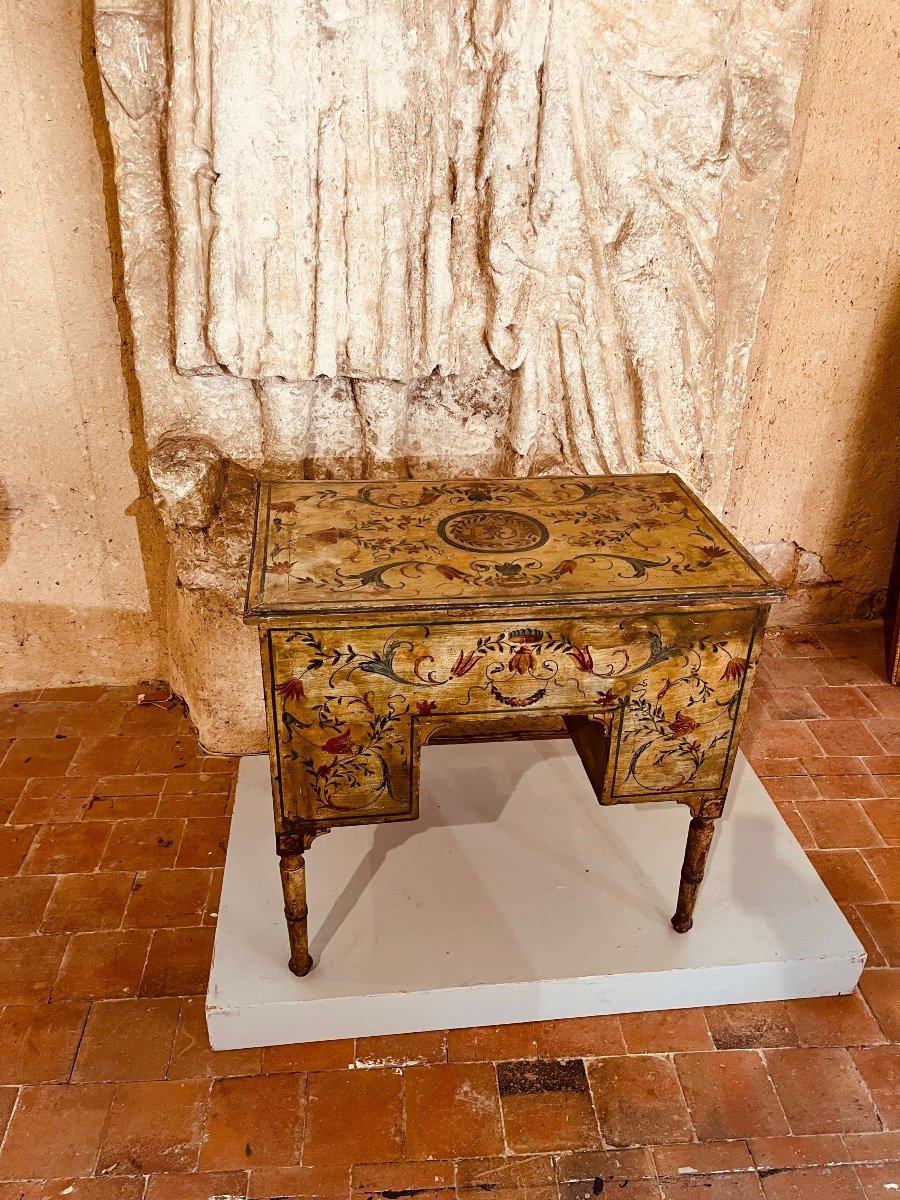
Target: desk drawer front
[{"x": 350, "y": 705}]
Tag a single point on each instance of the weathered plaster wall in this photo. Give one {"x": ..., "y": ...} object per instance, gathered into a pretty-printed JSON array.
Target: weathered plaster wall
[
  {"x": 566, "y": 207},
  {"x": 74, "y": 602},
  {"x": 816, "y": 465},
  {"x": 816, "y": 476}
]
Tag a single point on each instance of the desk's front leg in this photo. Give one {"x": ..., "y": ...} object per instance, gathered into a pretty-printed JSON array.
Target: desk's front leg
[
  {"x": 293, "y": 886},
  {"x": 668, "y": 727},
  {"x": 342, "y": 752},
  {"x": 700, "y": 836}
]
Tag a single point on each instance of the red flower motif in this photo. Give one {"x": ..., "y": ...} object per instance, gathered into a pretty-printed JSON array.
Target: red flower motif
[
  {"x": 291, "y": 689},
  {"x": 566, "y": 567},
  {"x": 284, "y": 506},
  {"x": 581, "y": 657},
  {"x": 521, "y": 660},
  {"x": 323, "y": 772},
  {"x": 464, "y": 663},
  {"x": 450, "y": 572},
  {"x": 735, "y": 669},
  {"x": 681, "y": 724},
  {"x": 326, "y": 537},
  {"x": 339, "y": 744},
  {"x": 280, "y": 568},
  {"x": 606, "y": 699},
  {"x": 426, "y": 707},
  {"x": 713, "y": 551}
]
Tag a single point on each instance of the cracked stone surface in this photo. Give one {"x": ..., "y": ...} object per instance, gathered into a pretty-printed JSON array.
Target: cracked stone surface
[{"x": 481, "y": 237}]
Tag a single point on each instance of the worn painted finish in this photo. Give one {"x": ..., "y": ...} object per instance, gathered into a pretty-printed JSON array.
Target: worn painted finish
[
  {"x": 393, "y": 613},
  {"x": 339, "y": 546},
  {"x": 352, "y": 704}
]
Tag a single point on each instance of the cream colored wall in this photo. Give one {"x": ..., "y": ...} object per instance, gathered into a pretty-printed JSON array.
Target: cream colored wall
[
  {"x": 74, "y": 601},
  {"x": 816, "y": 468}
]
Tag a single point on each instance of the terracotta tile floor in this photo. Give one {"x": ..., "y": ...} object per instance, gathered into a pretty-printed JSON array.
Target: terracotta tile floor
[{"x": 113, "y": 825}]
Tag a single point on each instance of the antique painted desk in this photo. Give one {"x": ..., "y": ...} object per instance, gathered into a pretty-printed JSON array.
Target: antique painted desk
[{"x": 394, "y": 612}]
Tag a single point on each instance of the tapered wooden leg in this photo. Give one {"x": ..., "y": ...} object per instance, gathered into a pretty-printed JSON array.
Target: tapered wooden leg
[
  {"x": 293, "y": 885},
  {"x": 700, "y": 836}
]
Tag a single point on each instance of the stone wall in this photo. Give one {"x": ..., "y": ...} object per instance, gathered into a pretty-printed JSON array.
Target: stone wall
[
  {"x": 813, "y": 484},
  {"x": 816, "y": 481},
  {"x": 477, "y": 237},
  {"x": 77, "y": 531}
]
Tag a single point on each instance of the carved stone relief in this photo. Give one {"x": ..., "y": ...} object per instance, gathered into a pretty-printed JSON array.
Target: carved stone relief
[{"x": 385, "y": 237}]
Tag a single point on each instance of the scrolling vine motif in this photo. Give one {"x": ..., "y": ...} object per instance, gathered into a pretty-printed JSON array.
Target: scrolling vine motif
[
  {"x": 345, "y": 710},
  {"x": 475, "y": 538}
]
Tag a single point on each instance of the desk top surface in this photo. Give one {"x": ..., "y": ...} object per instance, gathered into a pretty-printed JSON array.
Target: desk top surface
[{"x": 328, "y": 547}]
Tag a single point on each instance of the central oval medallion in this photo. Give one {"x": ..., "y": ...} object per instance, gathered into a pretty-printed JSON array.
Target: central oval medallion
[{"x": 494, "y": 531}]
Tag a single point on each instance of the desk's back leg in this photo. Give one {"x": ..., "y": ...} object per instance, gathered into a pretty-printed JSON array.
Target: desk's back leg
[
  {"x": 700, "y": 836},
  {"x": 293, "y": 885}
]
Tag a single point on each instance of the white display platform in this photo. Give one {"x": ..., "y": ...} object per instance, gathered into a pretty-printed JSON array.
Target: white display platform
[{"x": 516, "y": 897}]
